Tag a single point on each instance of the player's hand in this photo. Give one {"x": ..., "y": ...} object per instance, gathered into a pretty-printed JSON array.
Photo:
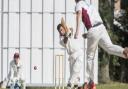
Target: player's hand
[
  {"x": 65, "y": 40},
  {"x": 68, "y": 34},
  {"x": 84, "y": 35},
  {"x": 76, "y": 35}
]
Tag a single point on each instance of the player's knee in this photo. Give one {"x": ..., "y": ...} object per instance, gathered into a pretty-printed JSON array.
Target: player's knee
[
  {"x": 90, "y": 57},
  {"x": 77, "y": 66}
]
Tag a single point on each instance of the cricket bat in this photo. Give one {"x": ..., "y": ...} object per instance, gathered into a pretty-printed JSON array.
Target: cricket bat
[{"x": 67, "y": 30}]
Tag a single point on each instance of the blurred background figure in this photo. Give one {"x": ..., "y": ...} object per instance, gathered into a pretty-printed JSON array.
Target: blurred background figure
[{"x": 15, "y": 78}]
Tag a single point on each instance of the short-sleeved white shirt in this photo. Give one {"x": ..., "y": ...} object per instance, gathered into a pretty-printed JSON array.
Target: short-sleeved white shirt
[{"x": 92, "y": 12}]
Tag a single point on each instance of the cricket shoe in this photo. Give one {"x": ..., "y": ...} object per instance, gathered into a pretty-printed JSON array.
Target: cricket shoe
[
  {"x": 85, "y": 85},
  {"x": 69, "y": 86},
  {"x": 75, "y": 87},
  {"x": 125, "y": 52},
  {"x": 91, "y": 85},
  {"x": 79, "y": 87}
]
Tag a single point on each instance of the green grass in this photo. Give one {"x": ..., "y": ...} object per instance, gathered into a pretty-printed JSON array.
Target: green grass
[
  {"x": 99, "y": 86},
  {"x": 112, "y": 86}
]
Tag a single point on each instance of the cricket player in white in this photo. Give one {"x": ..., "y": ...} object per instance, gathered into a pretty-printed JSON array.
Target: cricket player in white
[
  {"x": 75, "y": 56},
  {"x": 15, "y": 73},
  {"x": 97, "y": 35}
]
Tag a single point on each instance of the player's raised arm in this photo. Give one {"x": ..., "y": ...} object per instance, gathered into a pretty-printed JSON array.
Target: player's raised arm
[{"x": 78, "y": 21}]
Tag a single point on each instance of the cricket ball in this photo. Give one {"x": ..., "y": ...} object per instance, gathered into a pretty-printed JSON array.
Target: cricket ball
[{"x": 35, "y": 67}]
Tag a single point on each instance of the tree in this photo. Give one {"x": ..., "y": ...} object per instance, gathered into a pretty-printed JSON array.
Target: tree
[
  {"x": 106, "y": 14},
  {"x": 121, "y": 30},
  {"x": 111, "y": 67}
]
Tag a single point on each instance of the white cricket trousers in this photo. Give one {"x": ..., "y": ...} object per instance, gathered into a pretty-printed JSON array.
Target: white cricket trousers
[
  {"x": 99, "y": 36},
  {"x": 75, "y": 65}
]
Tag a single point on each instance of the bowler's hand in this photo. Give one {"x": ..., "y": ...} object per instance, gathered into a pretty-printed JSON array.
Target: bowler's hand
[
  {"x": 84, "y": 35},
  {"x": 76, "y": 35}
]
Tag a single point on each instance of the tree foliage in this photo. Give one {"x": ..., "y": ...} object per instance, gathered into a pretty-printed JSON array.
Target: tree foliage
[{"x": 116, "y": 68}]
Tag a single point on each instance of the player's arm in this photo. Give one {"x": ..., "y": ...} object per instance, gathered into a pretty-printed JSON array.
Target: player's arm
[
  {"x": 63, "y": 41},
  {"x": 78, "y": 21},
  {"x": 11, "y": 72},
  {"x": 20, "y": 74}
]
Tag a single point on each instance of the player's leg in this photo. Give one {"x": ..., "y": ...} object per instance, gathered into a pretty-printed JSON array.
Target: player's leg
[
  {"x": 106, "y": 43},
  {"x": 92, "y": 43},
  {"x": 91, "y": 49},
  {"x": 4, "y": 83},
  {"x": 23, "y": 84},
  {"x": 71, "y": 62},
  {"x": 76, "y": 67}
]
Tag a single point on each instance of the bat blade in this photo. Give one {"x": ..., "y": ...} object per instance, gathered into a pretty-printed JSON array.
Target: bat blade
[{"x": 64, "y": 25}]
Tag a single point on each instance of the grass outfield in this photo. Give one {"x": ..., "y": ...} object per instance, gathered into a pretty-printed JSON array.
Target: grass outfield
[
  {"x": 113, "y": 86},
  {"x": 100, "y": 86}
]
